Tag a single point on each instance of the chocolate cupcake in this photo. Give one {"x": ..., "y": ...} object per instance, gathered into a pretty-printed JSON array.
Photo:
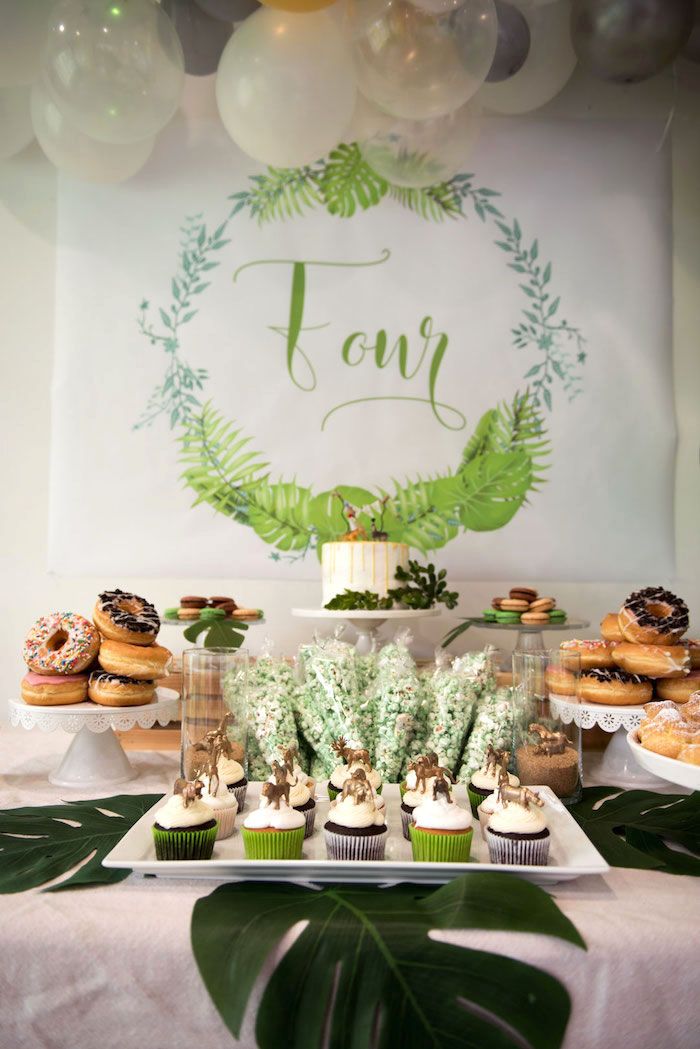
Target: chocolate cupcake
[
  {"x": 356, "y": 827},
  {"x": 517, "y": 833},
  {"x": 485, "y": 780},
  {"x": 353, "y": 759}
]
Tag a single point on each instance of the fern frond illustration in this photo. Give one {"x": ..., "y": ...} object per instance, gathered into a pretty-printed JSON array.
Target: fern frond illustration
[{"x": 503, "y": 460}]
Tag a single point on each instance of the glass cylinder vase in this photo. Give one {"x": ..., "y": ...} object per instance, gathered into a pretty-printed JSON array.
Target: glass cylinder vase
[
  {"x": 546, "y": 737},
  {"x": 214, "y": 693}
]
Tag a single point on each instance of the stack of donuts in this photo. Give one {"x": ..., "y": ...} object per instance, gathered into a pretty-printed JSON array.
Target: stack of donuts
[
  {"x": 641, "y": 655},
  {"x": 114, "y": 661}
]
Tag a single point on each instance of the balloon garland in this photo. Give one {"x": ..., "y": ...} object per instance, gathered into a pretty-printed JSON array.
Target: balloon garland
[{"x": 407, "y": 78}]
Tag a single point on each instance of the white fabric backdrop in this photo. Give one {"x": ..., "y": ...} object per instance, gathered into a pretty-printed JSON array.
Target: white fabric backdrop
[{"x": 596, "y": 196}]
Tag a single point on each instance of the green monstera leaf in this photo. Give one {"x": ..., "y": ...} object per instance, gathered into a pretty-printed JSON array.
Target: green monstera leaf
[
  {"x": 496, "y": 485},
  {"x": 349, "y": 184},
  {"x": 364, "y": 971},
  {"x": 631, "y": 828},
  {"x": 40, "y": 844}
]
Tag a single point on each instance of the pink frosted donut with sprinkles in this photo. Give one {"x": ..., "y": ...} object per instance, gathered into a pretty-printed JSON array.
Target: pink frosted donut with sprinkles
[
  {"x": 595, "y": 655},
  {"x": 61, "y": 643}
]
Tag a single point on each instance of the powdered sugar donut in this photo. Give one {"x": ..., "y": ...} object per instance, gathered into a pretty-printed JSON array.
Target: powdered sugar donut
[{"x": 61, "y": 643}]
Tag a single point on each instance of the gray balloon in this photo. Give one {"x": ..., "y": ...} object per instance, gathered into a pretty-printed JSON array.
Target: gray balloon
[
  {"x": 691, "y": 50},
  {"x": 228, "y": 10},
  {"x": 629, "y": 40},
  {"x": 512, "y": 44},
  {"x": 203, "y": 38}
]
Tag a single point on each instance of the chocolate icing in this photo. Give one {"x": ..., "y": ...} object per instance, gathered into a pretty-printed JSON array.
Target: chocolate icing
[
  {"x": 104, "y": 677},
  {"x": 638, "y": 602},
  {"x": 147, "y": 621},
  {"x": 615, "y": 675}
]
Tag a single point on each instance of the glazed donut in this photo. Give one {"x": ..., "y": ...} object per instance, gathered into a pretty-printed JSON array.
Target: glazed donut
[
  {"x": 678, "y": 689},
  {"x": 135, "y": 661},
  {"x": 652, "y": 660},
  {"x": 126, "y": 617},
  {"x": 115, "y": 690},
  {"x": 594, "y": 654},
  {"x": 61, "y": 643},
  {"x": 653, "y": 616},
  {"x": 560, "y": 681},
  {"x": 615, "y": 687},
  {"x": 693, "y": 647},
  {"x": 610, "y": 628},
  {"x": 42, "y": 690}
]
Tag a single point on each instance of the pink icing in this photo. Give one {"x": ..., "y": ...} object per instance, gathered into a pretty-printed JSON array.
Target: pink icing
[{"x": 54, "y": 679}]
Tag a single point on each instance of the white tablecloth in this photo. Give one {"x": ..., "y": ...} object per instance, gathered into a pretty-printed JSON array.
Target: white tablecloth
[{"x": 112, "y": 967}]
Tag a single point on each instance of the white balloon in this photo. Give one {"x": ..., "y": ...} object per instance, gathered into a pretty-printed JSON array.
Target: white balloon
[
  {"x": 548, "y": 66},
  {"x": 16, "y": 129},
  {"x": 417, "y": 153},
  {"x": 116, "y": 68},
  {"x": 77, "y": 154},
  {"x": 24, "y": 28},
  {"x": 416, "y": 65},
  {"x": 285, "y": 86}
]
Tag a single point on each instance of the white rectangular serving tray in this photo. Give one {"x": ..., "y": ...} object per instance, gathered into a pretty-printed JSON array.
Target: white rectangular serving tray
[{"x": 571, "y": 853}]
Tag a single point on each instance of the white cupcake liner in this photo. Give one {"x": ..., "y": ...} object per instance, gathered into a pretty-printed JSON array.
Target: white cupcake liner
[
  {"x": 355, "y": 847},
  {"x": 483, "y": 820},
  {"x": 239, "y": 794},
  {"x": 226, "y": 818},
  {"x": 406, "y": 821},
  {"x": 532, "y": 852},
  {"x": 310, "y": 816}
]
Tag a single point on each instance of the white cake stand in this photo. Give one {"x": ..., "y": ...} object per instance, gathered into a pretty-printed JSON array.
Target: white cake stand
[
  {"x": 366, "y": 622},
  {"x": 95, "y": 758},
  {"x": 618, "y": 766}
]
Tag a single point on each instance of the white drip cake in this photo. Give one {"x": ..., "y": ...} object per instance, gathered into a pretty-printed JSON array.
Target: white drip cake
[{"x": 358, "y": 565}]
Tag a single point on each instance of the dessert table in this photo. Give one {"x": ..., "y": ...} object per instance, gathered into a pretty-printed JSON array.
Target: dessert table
[{"x": 113, "y": 966}]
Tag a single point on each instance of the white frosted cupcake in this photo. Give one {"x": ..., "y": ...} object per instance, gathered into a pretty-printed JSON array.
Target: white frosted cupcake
[
  {"x": 356, "y": 829},
  {"x": 275, "y": 831},
  {"x": 232, "y": 774},
  {"x": 223, "y": 806},
  {"x": 301, "y": 800},
  {"x": 486, "y": 810},
  {"x": 518, "y": 834},
  {"x": 341, "y": 773},
  {"x": 441, "y": 831},
  {"x": 483, "y": 782},
  {"x": 412, "y": 797}
]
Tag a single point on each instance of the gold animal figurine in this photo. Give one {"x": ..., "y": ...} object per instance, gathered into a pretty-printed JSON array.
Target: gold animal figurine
[
  {"x": 360, "y": 755},
  {"x": 289, "y": 756},
  {"x": 496, "y": 759},
  {"x": 190, "y": 790},
  {"x": 549, "y": 742},
  {"x": 280, "y": 774},
  {"x": 357, "y": 787},
  {"x": 339, "y": 746},
  {"x": 355, "y": 530},
  {"x": 274, "y": 792},
  {"x": 441, "y": 788},
  {"x": 518, "y": 795}
]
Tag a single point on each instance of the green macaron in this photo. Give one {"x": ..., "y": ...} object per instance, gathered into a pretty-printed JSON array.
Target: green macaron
[
  {"x": 171, "y": 613},
  {"x": 212, "y": 613},
  {"x": 507, "y": 617},
  {"x": 557, "y": 614},
  {"x": 489, "y": 614}
]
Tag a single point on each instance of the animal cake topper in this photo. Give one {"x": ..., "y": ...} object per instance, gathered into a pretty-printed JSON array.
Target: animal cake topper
[
  {"x": 289, "y": 755},
  {"x": 275, "y": 792},
  {"x": 355, "y": 531},
  {"x": 496, "y": 759},
  {"x": 426, "y": 767},
  {"x": 516, "y": 795},
  {"x": 357, "y": 787},
  {"x": 189, "y": 790},
  {"x": 205, "y": 754},
  {"x": 441, "y": 787}
]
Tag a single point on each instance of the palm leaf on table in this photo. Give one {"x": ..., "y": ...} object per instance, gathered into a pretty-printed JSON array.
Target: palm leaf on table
[
  {"x": 365, "y": 970},
  {"x": 38, "y": 845}
]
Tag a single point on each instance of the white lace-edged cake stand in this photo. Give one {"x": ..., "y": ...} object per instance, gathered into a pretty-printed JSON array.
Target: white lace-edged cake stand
[
  {"x": 618, "y": 766},
  {"x": 367, "y": 622},
  {"x": 95, "y": 758}
]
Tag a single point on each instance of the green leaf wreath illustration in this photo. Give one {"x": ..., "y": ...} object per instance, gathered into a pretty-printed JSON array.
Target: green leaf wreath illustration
[
  {"x": 409, "y": 990},
  {"x": 502, "y": 462}
]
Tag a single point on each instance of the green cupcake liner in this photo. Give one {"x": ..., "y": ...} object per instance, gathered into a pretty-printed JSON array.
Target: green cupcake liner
[
  {"x": 273, "y": 844},
  {"x": 475, "y": 800},
  {"x": 333, "y": 792},
  {"x": 403, "y": 787},
  {"x": 440, "y": 848},
  {"x": 184, "y": 844}
]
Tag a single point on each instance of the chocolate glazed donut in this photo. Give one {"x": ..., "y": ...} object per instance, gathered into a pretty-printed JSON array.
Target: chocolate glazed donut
[
  {"x": 653, "y": 616},
  {"x": 120, "y": 616}
]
